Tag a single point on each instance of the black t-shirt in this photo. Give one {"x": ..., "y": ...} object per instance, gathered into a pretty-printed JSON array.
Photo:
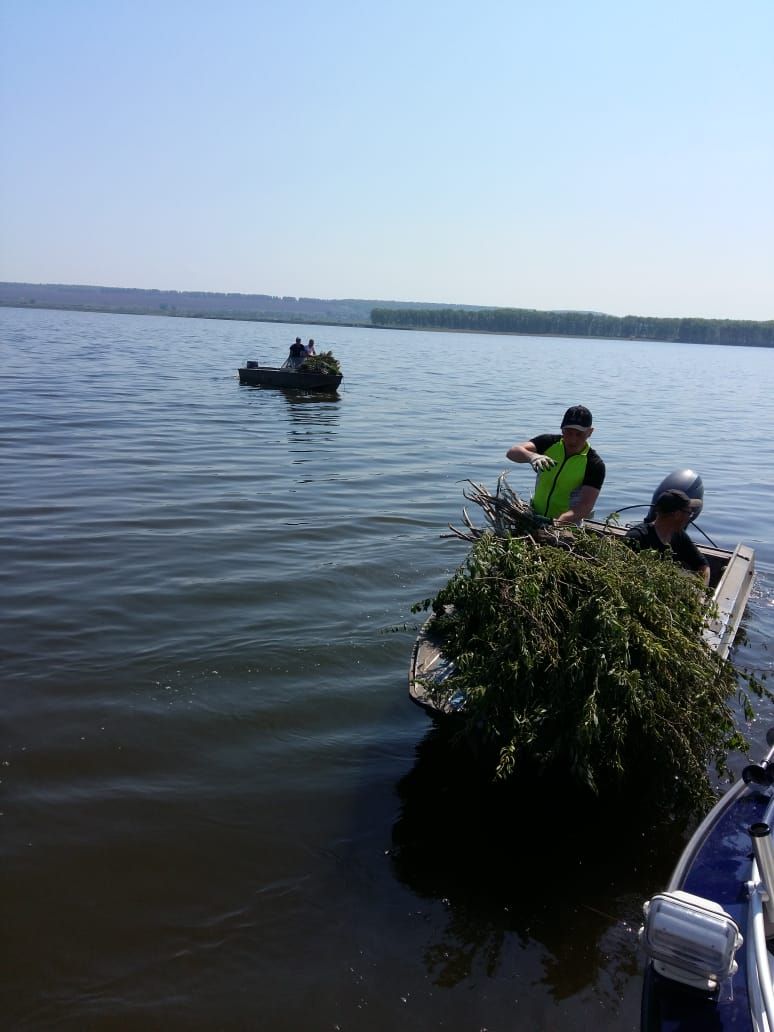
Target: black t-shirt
[
  {"x": 595, "y": 467},
  {"x": 644, "y": 535}
]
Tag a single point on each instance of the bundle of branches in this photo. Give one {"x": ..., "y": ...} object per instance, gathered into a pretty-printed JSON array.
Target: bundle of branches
[
  {"x": 507, "y": 514},
  {"x": 322, "y": 363},
  {"x": 574, "y": 653}
]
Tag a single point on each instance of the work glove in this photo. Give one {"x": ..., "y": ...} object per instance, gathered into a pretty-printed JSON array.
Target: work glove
[{"x": 541, "y": 462}]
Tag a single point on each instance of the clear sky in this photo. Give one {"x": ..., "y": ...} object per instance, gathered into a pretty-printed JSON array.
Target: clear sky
[{"x": 600, "y": 155}]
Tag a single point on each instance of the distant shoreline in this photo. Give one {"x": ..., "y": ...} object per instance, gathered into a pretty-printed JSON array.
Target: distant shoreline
[
  {"x": 386, "y": 315},
  {"x": 307, "y": 320},
  {"x": 315, "y": 321}
]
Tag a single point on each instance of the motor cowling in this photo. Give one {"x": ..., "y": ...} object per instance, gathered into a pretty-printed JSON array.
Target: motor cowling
[{"x": 685, "y": 480}]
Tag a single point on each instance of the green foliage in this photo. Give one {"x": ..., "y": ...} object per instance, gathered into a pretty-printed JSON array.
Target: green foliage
[
  {"x": 322, "y": 363},
  {"x": 583, "y": 656}
]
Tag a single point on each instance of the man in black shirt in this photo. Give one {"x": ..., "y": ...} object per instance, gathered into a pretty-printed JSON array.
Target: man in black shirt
[
  {"x": 673, "y": 511},
  {"x": 297, "y": 353},
  {"x": 569, "y": 472}
]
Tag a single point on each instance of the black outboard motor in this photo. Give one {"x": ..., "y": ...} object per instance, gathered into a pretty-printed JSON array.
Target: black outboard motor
[{"x": 682, "y": 480}]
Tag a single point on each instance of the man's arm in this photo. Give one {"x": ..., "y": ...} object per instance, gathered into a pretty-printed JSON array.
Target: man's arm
[
  {"x": 523, "y": 452},
  {"x": 587, "y": 497},
  {"x": 689, "y": 555}
]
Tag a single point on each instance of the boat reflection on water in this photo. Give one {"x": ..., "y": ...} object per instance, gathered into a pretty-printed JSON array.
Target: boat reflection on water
[
  {"x": 311, "y": 406},
  {"x": 301, "y": 406},
  {"x": 540, "y": 884}
]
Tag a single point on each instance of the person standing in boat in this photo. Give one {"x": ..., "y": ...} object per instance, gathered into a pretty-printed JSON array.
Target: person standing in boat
[
  {"x": 672, "y": 512},
  {"x": 297, "y": 353},
  {"x": 310, "y": 347},
  {"x": 569, "y": 472}
]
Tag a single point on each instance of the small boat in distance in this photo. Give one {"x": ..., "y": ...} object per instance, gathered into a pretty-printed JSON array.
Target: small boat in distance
[{"x": 255, "y": 375}]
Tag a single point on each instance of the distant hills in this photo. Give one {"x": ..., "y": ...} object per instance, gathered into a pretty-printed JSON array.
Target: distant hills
[
  {"x": 392, "y": 314},
  {"x": 260, "y": 307}
]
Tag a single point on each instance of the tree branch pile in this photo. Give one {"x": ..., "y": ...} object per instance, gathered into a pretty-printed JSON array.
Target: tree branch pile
[
  {"x": 575, "y": 653},
  {"x": 325, "y": 362}
]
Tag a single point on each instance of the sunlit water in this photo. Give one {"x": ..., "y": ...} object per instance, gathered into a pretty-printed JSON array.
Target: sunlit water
[{"x": 220, "y": 809}]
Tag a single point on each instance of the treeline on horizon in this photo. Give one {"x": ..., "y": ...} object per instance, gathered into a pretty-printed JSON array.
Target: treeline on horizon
[
  {"x": 198, "y": 303},
  {"x": 581, "y": 324}
]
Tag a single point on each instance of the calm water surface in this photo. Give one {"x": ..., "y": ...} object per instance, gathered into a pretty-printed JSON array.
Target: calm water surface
[{"x": 220, "y": 809}]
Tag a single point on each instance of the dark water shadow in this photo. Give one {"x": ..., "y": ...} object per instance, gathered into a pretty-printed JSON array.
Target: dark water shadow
[
  {"x": 292, "y": 394},
  {"x": 552, "y": 869},
  {"x": 304, "y": 407},
  {"x": 312, "y": 407},
  {"x": 296, "y": 397}
]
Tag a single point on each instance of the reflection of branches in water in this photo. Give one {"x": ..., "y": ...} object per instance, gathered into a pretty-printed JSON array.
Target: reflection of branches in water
[
  {"x": 453, "y": 961},
  {"x": 312, "y": 408},
  {"x": 561, "y": 878}
]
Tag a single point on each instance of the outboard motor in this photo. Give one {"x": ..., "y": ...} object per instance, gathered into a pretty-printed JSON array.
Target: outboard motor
[{"x": 682, "y": 480}]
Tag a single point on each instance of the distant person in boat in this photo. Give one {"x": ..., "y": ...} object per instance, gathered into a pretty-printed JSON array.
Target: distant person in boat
[
  {"x": 310, "y": 347},
  {"x": 569, "y": 472},
  {"x": 672, "y": 513},
  {"x": 297, "y": 353}
]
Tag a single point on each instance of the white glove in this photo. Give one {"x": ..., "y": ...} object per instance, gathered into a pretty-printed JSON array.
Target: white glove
[{"x": 541, "y": 462}]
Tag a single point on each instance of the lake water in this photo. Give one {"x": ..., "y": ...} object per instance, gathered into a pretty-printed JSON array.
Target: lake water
[{"x": 220, "y": 809}]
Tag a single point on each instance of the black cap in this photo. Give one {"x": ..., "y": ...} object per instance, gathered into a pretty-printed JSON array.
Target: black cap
[
  {"x": 674, "y": 500},
  {"x": 577, "y": 417}
]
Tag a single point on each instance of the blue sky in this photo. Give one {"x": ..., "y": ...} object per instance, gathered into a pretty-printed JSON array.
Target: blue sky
[{"x": 531, "y": 153}]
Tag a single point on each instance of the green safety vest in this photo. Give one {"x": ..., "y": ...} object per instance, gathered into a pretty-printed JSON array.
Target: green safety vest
[{"x": 554, "y": 486}]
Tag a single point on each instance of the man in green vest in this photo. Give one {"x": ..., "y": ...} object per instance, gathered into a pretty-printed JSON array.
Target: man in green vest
[{"x": 570, "y": 474}]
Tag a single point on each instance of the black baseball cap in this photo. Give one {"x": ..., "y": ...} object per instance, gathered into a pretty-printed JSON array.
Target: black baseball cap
[
  {"x": 577, "y": 417},
  {"x": 674, "y": 500}
]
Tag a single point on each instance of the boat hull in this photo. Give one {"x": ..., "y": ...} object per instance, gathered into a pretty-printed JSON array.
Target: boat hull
[
  {"x": 265, "y": 376},
  {"x": 716, "y": 866}
]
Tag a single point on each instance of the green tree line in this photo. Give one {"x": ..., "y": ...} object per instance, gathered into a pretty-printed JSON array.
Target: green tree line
[{"x": 580, "y": 324}]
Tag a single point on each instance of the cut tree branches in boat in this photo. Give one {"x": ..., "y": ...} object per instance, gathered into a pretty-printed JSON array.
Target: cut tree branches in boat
[{"x": 565, "y": 650}]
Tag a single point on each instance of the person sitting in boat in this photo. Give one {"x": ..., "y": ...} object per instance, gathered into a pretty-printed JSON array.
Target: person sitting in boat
[
  {"x": 310, "y": 347},
  {"x": 672, "y": 513},
  {"x": 569, "y": 472},
  {"x": 297, "y": 353}
]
